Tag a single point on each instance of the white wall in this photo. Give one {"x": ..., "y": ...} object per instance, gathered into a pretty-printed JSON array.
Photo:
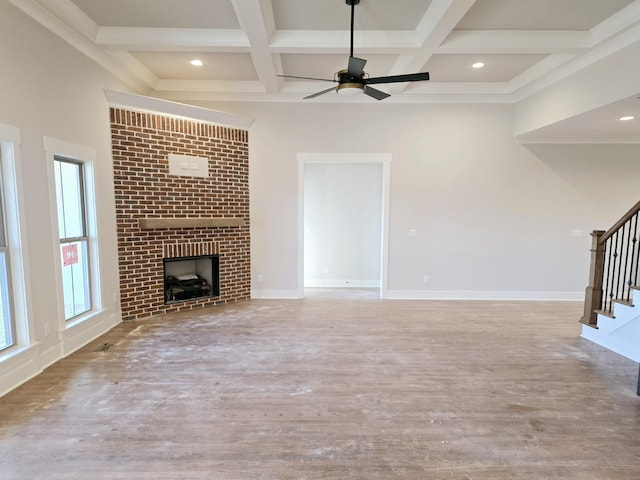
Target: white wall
[
  {"x": 49, "y": 90},
  {"x": 495, "y": 219}
]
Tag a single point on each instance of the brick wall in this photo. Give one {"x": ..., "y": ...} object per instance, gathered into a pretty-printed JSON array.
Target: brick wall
[{"x": 144, "y": 189}]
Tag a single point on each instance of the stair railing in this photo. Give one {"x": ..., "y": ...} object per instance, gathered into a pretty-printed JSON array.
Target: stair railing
[{"x": 615, "y": 258}]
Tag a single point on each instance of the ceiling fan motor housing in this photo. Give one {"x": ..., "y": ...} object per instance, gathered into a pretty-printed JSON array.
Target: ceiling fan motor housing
[
  {"x": 344, "y": 77},
  {"x": 353, "y": 2}
]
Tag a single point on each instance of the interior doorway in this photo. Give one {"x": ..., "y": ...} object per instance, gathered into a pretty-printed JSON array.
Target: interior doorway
[{"x": 343, "y": 222}]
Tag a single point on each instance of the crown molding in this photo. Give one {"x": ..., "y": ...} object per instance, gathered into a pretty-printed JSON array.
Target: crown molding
[{"x": 175, "y": 109}]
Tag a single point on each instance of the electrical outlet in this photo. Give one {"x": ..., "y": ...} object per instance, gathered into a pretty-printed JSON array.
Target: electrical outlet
[
  {"x": 425, "y": 279},
  {"x": 260, "y": 278}
]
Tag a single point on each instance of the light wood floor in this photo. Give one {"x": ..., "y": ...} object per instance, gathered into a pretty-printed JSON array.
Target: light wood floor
[{"x": 332, "y": 388}]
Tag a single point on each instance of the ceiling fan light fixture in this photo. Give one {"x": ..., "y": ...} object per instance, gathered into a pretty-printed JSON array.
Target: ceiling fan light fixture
[
  {"x": 353, "y": 80},
  {"x": 350, "y": 88},
  {"x": 626, "y": 118}
]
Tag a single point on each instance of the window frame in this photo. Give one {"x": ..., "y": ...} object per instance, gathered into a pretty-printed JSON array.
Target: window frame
[
  {"x": 13, "y": 215},
  {"x": 83, "y": 238},
  {"x": 87, "y": 156},
  {"x": 5, "y": 250}
]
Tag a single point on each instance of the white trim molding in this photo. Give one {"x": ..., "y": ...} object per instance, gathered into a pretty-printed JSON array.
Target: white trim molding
[
  {"x": 165, "y": 107},
  {"x": 484, "y": 295},
  {"x": 342, "y": 157}
]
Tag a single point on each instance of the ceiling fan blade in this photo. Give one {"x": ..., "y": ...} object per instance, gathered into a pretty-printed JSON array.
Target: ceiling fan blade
[
  {"x": 317, "y": 94},
  {"x": 307, "y": 78},
  {"x": 356, "y": 67},
  {"x": 410, "y": 77},
  {"x": 377, "y": 94}
]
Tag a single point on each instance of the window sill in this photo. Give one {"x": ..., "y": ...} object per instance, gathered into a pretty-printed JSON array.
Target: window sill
[{"x": 82, "y": 318}]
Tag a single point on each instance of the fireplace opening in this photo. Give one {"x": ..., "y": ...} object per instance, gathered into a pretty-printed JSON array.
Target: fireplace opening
[{"x": 190, "y": 278}]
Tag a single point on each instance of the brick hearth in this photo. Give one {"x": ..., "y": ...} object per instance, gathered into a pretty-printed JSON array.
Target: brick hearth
[{"x": 144, "y": 189}]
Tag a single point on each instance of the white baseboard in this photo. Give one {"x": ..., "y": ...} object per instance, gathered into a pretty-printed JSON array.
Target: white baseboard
[
  {"x": 436, "y": 294},
  {"x": 51, "y": 355},
  {"x": 19, "y": 367},
  {"x": 482, "y": 295},
  {"x": 79, "y": 335},
  {"x": 341, "y": 283}
]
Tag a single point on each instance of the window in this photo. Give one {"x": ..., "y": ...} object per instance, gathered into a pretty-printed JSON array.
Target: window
[
  {"x": 14, "y": 331},
  {"x": 7, "y": 327},
  {"x": 74, "y": 240}
]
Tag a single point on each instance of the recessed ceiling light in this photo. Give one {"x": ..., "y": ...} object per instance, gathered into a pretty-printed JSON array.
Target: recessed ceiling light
[
  {"x": 196, "y": 63},
  {"x": 627, "y": 117},
  {"x": 478, "y": 65}
]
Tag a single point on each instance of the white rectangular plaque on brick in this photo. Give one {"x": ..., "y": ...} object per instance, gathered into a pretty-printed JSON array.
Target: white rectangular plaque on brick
[{"x": 188, "y": 165}]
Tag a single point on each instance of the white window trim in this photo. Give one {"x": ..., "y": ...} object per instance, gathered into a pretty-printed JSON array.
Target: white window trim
[
  {"x": 378, "y": 158},
  {"x": 88, "y": 156},
  {"x": 18, "y": 256}
]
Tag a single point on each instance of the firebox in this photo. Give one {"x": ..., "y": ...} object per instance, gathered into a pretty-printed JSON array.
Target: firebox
[{"x": 191, "y": 278}]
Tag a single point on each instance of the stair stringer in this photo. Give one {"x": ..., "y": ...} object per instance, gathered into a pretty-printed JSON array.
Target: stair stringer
[{"x": 620, "y": 334}]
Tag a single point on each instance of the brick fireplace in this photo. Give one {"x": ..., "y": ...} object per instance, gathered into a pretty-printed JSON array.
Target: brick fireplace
[{"x": 175, "y": 212}]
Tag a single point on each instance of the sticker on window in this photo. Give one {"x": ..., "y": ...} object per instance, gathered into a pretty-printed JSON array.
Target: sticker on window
[{"x": 69, "y": 254}]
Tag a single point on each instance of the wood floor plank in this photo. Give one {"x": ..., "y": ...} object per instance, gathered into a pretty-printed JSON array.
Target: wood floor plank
[{"x": 331, "y": 387}]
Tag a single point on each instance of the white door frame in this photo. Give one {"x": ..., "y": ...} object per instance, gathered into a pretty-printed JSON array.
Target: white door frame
[{"x": 379, "y": 158}]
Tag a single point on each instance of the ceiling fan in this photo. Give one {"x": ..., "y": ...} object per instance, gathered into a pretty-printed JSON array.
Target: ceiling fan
[{"x": 354, "y": 78}]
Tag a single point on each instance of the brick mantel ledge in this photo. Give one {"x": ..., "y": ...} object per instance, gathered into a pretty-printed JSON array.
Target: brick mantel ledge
[{"x": 189, "y": 222}]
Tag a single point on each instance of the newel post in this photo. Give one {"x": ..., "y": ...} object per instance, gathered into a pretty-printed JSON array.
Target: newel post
[{"x": 593, "y": 293}]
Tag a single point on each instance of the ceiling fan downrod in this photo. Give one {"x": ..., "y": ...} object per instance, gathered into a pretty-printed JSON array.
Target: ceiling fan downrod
[{"x": 353, "y": 4}]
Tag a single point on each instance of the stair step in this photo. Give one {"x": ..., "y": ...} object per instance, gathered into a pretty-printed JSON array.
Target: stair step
[
  {"x": 586, "y": 322},
  {"x": 628, "y": 303},
  {"x": 605, "y": 313}
]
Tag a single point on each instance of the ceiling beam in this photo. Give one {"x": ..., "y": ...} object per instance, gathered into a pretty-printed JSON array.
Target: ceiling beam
[
  {"x": 332, "y": 41},
  {"x": 257, "y": 22},
  {"x": 437, "y": 23},
  {"x": 172, "y": 39}
]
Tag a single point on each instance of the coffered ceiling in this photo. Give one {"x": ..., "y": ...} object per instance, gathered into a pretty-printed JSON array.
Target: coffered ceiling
[{"x": 245, "y": 45}]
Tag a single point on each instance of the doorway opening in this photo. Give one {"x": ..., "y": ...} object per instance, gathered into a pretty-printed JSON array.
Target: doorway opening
[{"x": 343, "y": 224}]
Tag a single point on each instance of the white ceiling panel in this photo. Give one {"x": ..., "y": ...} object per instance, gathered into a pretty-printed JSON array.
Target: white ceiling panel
[
  {"x": 336, "y": 14},
  {"x": 216, "y": 66},
  {"x": 497, "y": 68},
  {"x": 161, "y": 13},
  {"x": 539, "y": 14},
  {"x": 246, "y": 45}
]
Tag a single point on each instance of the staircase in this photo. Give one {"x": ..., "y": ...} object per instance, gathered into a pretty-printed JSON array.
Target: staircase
[
  {"x": 612, "y": 300},
  {"x": 620, "y": 331}
]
